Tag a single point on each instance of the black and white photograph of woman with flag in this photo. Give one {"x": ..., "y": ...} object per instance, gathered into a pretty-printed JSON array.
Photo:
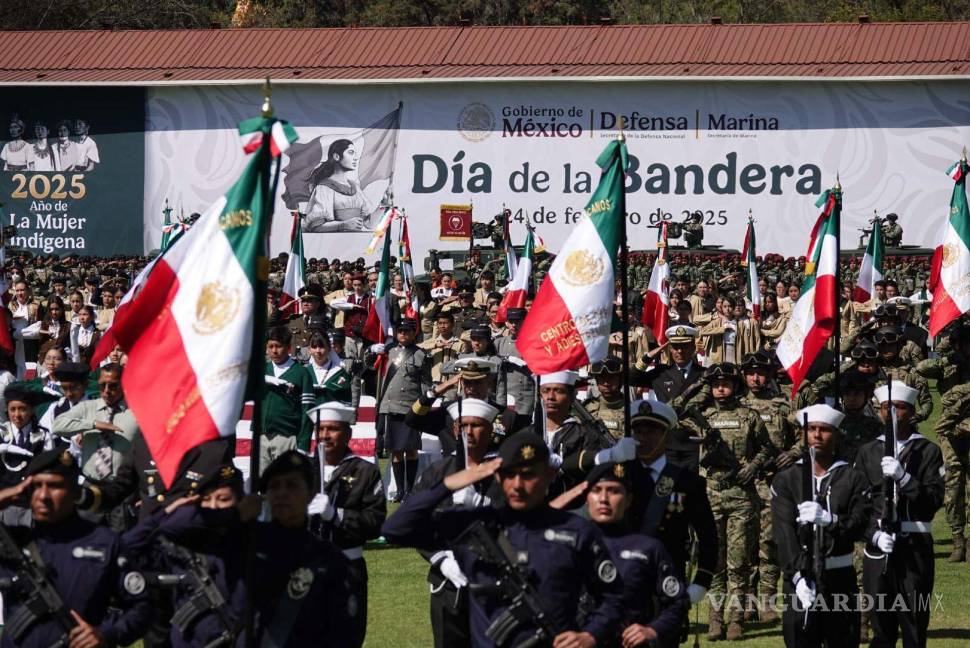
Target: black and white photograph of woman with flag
[{"x": 343, "y": 183}]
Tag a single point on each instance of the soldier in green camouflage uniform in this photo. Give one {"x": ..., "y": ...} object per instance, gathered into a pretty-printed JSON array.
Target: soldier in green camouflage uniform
[
  {"x": 607, "y": 406},
  {"x": 775, "y": 411},
  {"x": 892, "y": 233},
  {"x": 735, "y": 448},
  {"x": 952, "y": 371}
]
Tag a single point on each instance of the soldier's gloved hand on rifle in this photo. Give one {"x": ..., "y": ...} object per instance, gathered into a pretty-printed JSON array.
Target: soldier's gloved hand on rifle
[
  {"x": 624, "y": 450},
  {"x": 448, "y": 566},
  {"x": 696, "y": 593},
  {"x": 804, "y": 590},
  {"x": 813, "y": 513},
  {"x": 892, "y": 469},
  {"x": 320, "y": 505},
  {"x": 747, "y": 474},
  {"x": 885, "y": 541}
]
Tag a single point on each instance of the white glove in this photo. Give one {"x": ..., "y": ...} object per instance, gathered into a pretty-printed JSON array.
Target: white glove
[
  {"x": 449, "y": 568},
  {"x": 376, "y": 348},
  {"x": 885, "y": 541},
  {"x": 277, "y": 382},
  {"x": 813, "y": 513},
  {"x": 517, "y": 361},
  {"x": 804, "y": 590},
  {"x": 555, "y": 461},
  {"x": 891, "y": 468},
  {"x": 468, "y": 497},
  {"x": 624, "y": 450},
  {"x": 14, "y": 449},
  {"x": 696, "y": 593},
  {"x": 320, "y": 505}
]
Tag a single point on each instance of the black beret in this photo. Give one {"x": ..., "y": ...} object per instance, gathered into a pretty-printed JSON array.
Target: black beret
[
  {"x": 74, "y": 371},
  {"x": 515, "y": 314},
  {"x": 289, "y": 461},
  {"x": 481, "y": 333},
  {"x": 618, "y": 472},
  {"x": 26, "y": 392},
  {"x": 56, "y": 461},
  {"x": 523, "y": 449},
  {"x": 227, "y": 475}
]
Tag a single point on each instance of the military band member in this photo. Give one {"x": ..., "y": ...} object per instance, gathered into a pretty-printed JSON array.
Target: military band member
[
  {"x": 473, "y": 435},
  {"x": 350, "y": 505},
  {"x": 563, "y": 553},
  {"x": 608, "y": 405},
  {"x": 840, "y": 509},
  {"x": 81, "y": 560},
  {"x": 520, "y": 384},
  {"x": 899, "y": 560},
  {"x": 408, "y": 376}
]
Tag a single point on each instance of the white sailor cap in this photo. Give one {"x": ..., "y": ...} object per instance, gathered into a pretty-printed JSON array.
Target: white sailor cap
[
  {"x": 821, "y": 413},
  {"x": 680, "y": 334},
  {"x": 653, "y": 410},
  {"x": 473, "y": 407},
  {"x": 476, "y": 363},
  {"x": 332, "y": 411},
  {"x": 900, "y": 301},
  {"x": 559, "y": 378},
  {"x": 901, "y": 392}
]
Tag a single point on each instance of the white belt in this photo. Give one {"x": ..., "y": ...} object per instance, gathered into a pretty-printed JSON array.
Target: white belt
[
  {"x": 838, "y": 562},
  {"x": 916, "y": 527},
  {"x": 354, "y": 553}
]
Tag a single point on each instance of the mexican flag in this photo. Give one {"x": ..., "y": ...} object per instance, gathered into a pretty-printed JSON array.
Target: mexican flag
[
  {"x": 749, "y": 260},
  {"x": 656, "y": 305},
  {"x": 950, "y": 274},
  {"x": 379, "y": 326},
  {"x": 815, "y": 314},
  {"x": 518, "y": 288},
  {"x": 294, "y": 281},
  {"x": 871, "y": 270},
  {"x": 199, "y": 317},
  {"x": 568, "y": 325}
]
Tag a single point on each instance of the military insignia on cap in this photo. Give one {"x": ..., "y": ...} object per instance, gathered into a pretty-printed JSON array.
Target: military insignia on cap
[
  {"x": 66, "y": 459},
  {"x": 619, "y": 470},
  {"x": 645, "y": 408},
  {"x": 671, "y": 586},
  {"x": 681, "y": 331},
  {"x": 134, "y": 583},
  {"x": 472, "y": 365},
  {"x": 527, "y": 452},
  {"x": 226, "y": 472},
  {"x": 665, "y": 486},
  {"x": 300, "y": 582},
  {"x": 606, "y": 571}
]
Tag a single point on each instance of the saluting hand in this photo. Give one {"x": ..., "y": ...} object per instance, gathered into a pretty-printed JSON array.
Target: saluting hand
[
  {"x": 10, "y": 495},
  {"x": 563, "y": 500},
  {"x": 472, "y": 474}
]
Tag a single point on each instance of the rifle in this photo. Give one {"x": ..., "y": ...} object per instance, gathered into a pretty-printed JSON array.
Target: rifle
[
  {"x": 525, "y": 607},
  {"x": 205, "y": 597},
  {"x": 806, "y": 534},
  {"x": 585, "y": 418},
  {"x": 41, "y": 599},
  {"x": 889, "y": 522},
  {"x": 818, "y": 535}
]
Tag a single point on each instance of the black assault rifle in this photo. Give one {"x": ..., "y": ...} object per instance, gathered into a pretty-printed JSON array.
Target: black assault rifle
[
  {"x": 205, "y": 595},
  {"x": 810, "y": 535},
  {"x": 512, "y": 585},
  {"x": 889, "y": 523},
  {"x": 41, "y": 600}
]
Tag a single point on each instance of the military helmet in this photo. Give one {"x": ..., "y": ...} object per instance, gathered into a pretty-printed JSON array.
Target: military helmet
[{"x": 721, "y": 370}]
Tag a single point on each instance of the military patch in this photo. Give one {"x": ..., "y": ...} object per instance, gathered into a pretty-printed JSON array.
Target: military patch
[
  {"x": 665, "y": 486},
  {"x": 562, "y": 537},
  {"x": 671, "y": 586},
  {"x": 630, "y": 554},
  {"x": 606, "y": 571},
  {"x": 766, "y": 418},
  {"x": 726, "y": 424},
  {"x": 134, "y": 583},
  {"x": 192, "y": 475},
  {"x": 300, "y": 582}
]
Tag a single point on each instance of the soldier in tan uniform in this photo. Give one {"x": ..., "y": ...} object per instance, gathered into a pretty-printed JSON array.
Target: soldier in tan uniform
[
  {"x": 445, "y": 346},
  {"x": 607, "y": 406}
]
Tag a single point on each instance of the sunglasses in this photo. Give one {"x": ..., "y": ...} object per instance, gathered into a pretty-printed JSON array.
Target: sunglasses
[
  {"x": 611, "y": 366},
  {"x": 886, "y": 338}
]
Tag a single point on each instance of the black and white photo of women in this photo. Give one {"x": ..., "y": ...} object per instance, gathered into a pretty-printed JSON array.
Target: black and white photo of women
[
  {"x": 87, "y": 149},
  {"x": 337, "y": 202},
  {"x": 65, "y": 151},
  {"x": 44, "y": 158},
  {"x": 16, "y": 154}
]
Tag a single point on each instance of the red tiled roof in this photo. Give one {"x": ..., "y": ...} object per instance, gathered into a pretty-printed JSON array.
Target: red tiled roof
[{"x": 442, "y": 53}]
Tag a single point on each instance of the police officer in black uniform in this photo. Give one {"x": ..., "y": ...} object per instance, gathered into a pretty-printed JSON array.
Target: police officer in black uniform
[
  {"x": 83, "y": 562},
  {"x": 838, "y": 507},
  {"x": 564, "y": 553},
  {"x": 899, "y": 558},
  {"x": 350, "y": 505},
  {"x": 449, "y": 588}
]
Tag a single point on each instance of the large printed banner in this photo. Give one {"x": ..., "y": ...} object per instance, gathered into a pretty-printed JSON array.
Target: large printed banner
[
  {"x": 720, "y": 149},
  {"x": 72, "y": 178}
]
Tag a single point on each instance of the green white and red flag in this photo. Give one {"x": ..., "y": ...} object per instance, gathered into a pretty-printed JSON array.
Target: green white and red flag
[
  {"x": 568, "y": 325},
  {"x": 656, "y": 304},
  {"x": 950, "y": 270},
  {"x": 294, "y": 280},
  {"x": 379, "y": 326},
  {"x": 815, "y": 314},
  {"x": 871, "y": 269},
  {"x": 198, "y": 315},
  {"x": 517, "y": 290},
  {"x": 749, "y": 260}
]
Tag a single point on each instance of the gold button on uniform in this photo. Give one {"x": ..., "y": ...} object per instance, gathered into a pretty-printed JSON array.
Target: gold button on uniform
[
  {"x": 160, "y": 498},
  {"x": 150, "y": 480}
]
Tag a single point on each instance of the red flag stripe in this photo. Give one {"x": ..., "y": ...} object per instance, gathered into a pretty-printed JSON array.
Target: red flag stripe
[{"x": 556, "y": 322}]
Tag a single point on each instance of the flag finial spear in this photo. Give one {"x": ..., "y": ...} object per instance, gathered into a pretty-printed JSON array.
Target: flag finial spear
[
  {"x": 267, "y": 104},
  {"x": 838, "y": 183},
  {"x": 621, "y": 137},
  {"x": 750, "y": 215},
  {"x": 964, "y": 155}
]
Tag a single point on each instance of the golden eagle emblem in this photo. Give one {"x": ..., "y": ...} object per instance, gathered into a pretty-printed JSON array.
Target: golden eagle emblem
[
  {"x": 216, "y": 307},
  {"x": 951, "y": 253},
  {"x": 582, "y": 269}
]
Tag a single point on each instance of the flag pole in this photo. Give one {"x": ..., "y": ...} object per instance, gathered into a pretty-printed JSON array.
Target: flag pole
[
  {"x": 837, "y": 332},
  {"x": 624, "y": 305}
]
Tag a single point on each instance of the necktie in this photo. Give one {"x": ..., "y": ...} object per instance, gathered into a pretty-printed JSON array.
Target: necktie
[{"x": 102, "y": 456}]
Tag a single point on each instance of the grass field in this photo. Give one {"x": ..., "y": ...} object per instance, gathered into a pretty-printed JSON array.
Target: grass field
[{"x": 398, "y": 598}]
